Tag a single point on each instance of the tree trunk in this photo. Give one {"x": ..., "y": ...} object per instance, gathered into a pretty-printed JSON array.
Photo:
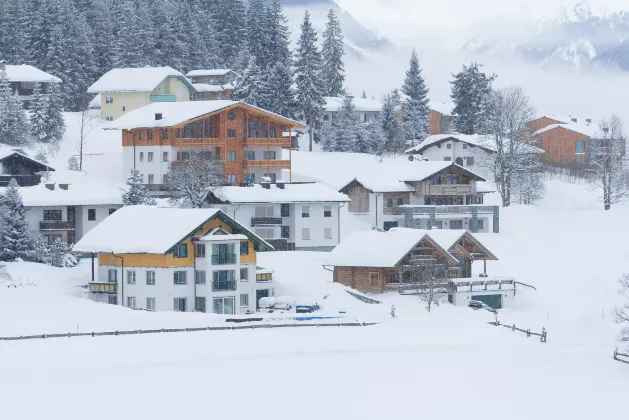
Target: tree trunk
[{"x": 310, "y": 134}]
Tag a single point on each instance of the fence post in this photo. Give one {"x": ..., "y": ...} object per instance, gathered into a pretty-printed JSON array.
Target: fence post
[
  {"x": 513, "y": 329},
  {"x": 616, "y": 354}
]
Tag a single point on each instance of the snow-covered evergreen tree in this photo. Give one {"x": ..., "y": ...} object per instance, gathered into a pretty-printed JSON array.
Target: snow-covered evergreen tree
[
  {"x": 376, "y": 139},
  {"x": 231, "y": 30},
  {"x": 391, "y": 126},
  {"x": 136, "y": 193},
  {"x": 42, "y": 250},
  {"x": 258, "y": 32},
  {"x": 73, "y": 163},
  {"x": 309, "y": 79},
  {"x": 333, "y": 52},
  {"x": 251, "y": 87},
  {"x": 42, "y": 157},
  {"x": 54, "y": 124},
  {"x": 58, "y": 253},
  {"x": 14, "y": 124},
  {"x": 14, "y": 236},
  {"x": 471, "y": 89},
  {"x": 416, "y": 104},
  {"x": 194, "y": 178},
  {"x": 280, "y": 92},
  {"x": 364, "y": 95},
  {"x": 346, "y": 130},
  {"x": 278, "y": 49},
  {"x": 37, "y": 110}
]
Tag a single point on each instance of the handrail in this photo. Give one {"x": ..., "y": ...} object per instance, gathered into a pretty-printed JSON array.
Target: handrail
[{"x": 527, "y": 285}]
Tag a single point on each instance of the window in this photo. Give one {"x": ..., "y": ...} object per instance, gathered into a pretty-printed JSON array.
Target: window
[
  {"x": 149, "y": 156},
  {"x": 244, "y": 274},
  {"x": 437, "y": 224},
  {"x": 400, "y": 202},
  {"x": 52, "y": 215},
  {"x": 199, "y": 304},
  {"x": 326, "y": 117},
  {"x": 244, "y": 248},
  {"x": 150, "y": 304},
  {"x": 199, "y": 277},
  {"x": 231, "y": 116},
  {"x": 224, "y": 306},
  {"x": 188, "y": 131},
  {"x": 272, "y": 133},
  {"x": 131, "y": 302},
  {"x": 198, "y": 129},
  {"x": 180, "y": 304},
  {"x": 163, "y": 134},
  {"x": 465, "y": 146},
  {"x": 130, "y": 277},
  {"x": 231, "y": 156},
  {"x": 199, "y": 250},
  {"x": 580, "y": 161},
  {"x": 183, "y": 155},
  {"x": 285, "y": 210},
  {"x": 470, "y": 161},
  {"x": 141, "y": 134},
  {"x": 389, "y": 225},
  {"x": 141, "y": 156},
  {"x": 456, "y": 224},
  {"x": 164, "y": 156},
  {"x": 263, "y": 131},
  {"x": 390, "y": 203},
  {"x": 109, "y": 99},
  {"x": 480, "y": 224},
  {"x": 580, "y": 147},
  {"x": 265, "y": 233},
  {"x": 178, "y": 133},
  {"x": 244, "y": 301},
  {"x": 151, "y": 179},
  {"x": 359, "y": 203},
  {"x": 109, "y": 118},
  {"x": 305, "y": 211},
  {"x": 124, "y": 108},
  {"x": 207, "y": 128},
  {"x": 231, "y": 179},
  {"x": 179, "y": 277},
  {"x": 436, "y": 180},
  {"x": 253, "y": 129},
  {"x": 250, "y": 155},
  {"x": 268, "y": 155},
  {"x": 112, "y": 276},
  {"x": 265, "y": 211},
  {"x": 449, "y": 146},
  {"x": 374, "y": 279},
  {"x": 112, "y": 211},
  {"x": 327, "y": 233},
  {"x": 181, "y": 251},
  {"x": 149, "y": 134},
  {"x": 112, "y": 299},
  {"x": 286, "y": 232},
  {"x": 231, "y": 133},
  {"x": 91, "y": 214},
  {"x": 447, "y": 159},
  {"x": 51, "y": 239},
  {"x": 305, "y": 234},
  {"x": 223, "y": 280},
  {"x": 150, "y": 278},
  {"x": 327, "y": 210}
]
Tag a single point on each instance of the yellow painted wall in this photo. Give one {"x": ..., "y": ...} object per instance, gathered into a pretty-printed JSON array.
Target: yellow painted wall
[
  {"x": 174, "y": 86},
  {"x": 130, "y": 100},
  {"x": 167, "y": 260}
]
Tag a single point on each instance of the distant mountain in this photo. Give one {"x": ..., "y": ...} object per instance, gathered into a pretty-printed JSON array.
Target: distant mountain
[{"x": 576, "y": 37}]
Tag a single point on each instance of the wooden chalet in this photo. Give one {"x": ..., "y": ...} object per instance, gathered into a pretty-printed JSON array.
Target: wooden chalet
[{"x": 25, "y": 170}]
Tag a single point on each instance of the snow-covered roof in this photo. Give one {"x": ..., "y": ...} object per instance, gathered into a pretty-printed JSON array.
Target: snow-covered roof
[
  {"x": 143, "y": 79},
  {"x": 222, "y": 238},
  {"x": 206, "y": 87},
  {"x": 26, "y": 73},
  {"x": 6, "y": 151},
  {"x": 444, "y": 108},
  {"x": 446, "y": 238},
  {"x": 586, "y": 130},
  {"x": 208, "y": 72},
  {"x": 334, "y": 104},
  {"x": 95, "y": 102},
  {"x": 152, "y": 230},
  {"x": 473, "y": 139},
  {"x": 381, "y": 249},
  {"x": 292, "y": 193},
  {"x": 75, "y": 195},
  {"x": 174, "y": 113}
]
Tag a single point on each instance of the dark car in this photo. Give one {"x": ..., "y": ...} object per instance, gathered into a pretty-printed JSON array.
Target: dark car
[{"x": 477, "y": 304}]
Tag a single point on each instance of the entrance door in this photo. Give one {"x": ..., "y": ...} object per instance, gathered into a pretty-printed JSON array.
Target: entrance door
[
  {"x": 493, "y": 301},
  {"x": 286, "y": 232},
  {"x": 259, "y": 295}
]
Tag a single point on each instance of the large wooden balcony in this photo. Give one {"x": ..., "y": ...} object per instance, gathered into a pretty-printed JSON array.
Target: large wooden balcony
[
  {"x": 284, "y": 142},
  {"x": 452, "y": 189},
  {"x": 103, "y": 287},
  {"x": 273, "y": 164},
  {"x": 56, "y": 225}
]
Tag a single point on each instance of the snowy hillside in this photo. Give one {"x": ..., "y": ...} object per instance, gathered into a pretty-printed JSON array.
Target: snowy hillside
[{"x": 566, "y": 246}]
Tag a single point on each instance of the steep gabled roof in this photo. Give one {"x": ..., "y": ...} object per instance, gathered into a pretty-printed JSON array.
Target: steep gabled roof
[
  {"x": 209, "y": 72},
  {"x": 475, "y": 140},
  {"x": 586, "y": 130},
  {"x": 155, "y": 230},
  {"x": 290, "y": 193},
  {"x": 142, "y": 79},
  {"x": 26, "y": 73},
  {"x": 6, "y": 153},
  {"x": 334, "y": 104}
]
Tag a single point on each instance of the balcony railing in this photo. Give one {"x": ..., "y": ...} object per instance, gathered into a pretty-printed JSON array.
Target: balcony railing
[
  {"x": 282, "y": 164},
  {"x": 56, "y": 225},
  {"x": 224, "y": 259},
  {"x": 22, "y": 180},
  {"x": 453, "y": 189},
  {"x": 103, "y": 287},
  {"x": 266, "y": 221},
  {"x": 264, "y": 277},
  {"x": 163, "y": 98},
  {"x": 224, "y": 285},
  {"x": 277, "y": 142},
  {"x": 396, "y": 211}
]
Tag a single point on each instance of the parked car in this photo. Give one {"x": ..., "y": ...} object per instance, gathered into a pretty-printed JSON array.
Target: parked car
[
  {"x": 477, "y": 304},
  {"x": 285, "y": 304},
  {"x": 307, "y": 307}
]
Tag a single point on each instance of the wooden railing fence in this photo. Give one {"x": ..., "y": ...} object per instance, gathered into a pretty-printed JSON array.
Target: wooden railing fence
[{"x": 528, "y": 332}]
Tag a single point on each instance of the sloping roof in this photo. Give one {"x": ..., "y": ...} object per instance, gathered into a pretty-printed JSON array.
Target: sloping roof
[
  {"x": 206, "y": 87},
  {"x": 379, "y": 185},
  {"x": 586, "y": 130},
  {"x": 153, "y": 230},
  {"x": 174, "y": 113},
  {"x": 95, "y": 102},
  {"x": 473, "y": 139},
  {"x": 143, "y": 79},
  {"x": 26, "y": 73},
  {"x": 334, "y": 104},
  {"x": 75, "y": 195},
  {"x": 380, "y": 249},
  {"x": 292, "y": 193},
  {"x": 444, "y": 108},
  {"x": 6, "y": 152},
  {"x": 208, "y": 72}
]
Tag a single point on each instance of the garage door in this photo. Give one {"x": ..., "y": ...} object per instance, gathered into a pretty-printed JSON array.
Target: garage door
[{"x": 493, "y": 301}]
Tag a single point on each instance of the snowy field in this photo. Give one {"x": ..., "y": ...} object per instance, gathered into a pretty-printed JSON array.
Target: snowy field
[{"x": 449, "y": 364}]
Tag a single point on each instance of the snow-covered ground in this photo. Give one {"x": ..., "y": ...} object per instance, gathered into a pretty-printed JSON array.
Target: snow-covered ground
[{"x": 448, "y": 364}]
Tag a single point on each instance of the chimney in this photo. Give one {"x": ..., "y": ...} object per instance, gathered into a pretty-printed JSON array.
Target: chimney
[
  {"x": 266, "y": 185},
  {"x": 588, "y": 120},
  {"x": 574, "y": 119},
  {"x": 3, "y": 65},
  {"x": 64, "y": 186},
  {"x": 158, "y": 116},
  {"x": 280, "y": 185},
  {"x": 50, "y": 186}
]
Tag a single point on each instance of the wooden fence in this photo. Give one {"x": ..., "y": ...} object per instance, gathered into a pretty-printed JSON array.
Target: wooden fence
[
  {"x": 528, "y": 332},
  {"x": 179, "y": 330},
  {"x": 621, "y": 357},
  {"x": 364, "y": 298}
]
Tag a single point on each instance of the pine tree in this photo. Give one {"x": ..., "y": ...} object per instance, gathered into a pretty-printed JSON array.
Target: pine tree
[
  {"x": 14, "y": 124},
  {"x": 73, "y": 163},
  {"x": 333, "y": 51},
  {"x": 308, "y": 78},
  {"x": 391, "y": 125},
  {"x": 250, "y": 86},
  {"x": 42, "y": 250},
  {"x": 346, "y": 130},
  {"x": 280, "y": 91},
  {"x": 377, "y": 140},
  {"x": 39, "y": 103},
  {"x": 278, "y": 50},
  {"x": 416, "y": 104},
  {"x": 58, "y": 252},
  {"x": 471, "y": 89},
  {"x": 257, "y": 32},
  {"x": 136, "y": 193},
  {"x": 54, "y": 124},
  {"x": 229, "y": 18},
  {"x": 364, "y": 95},
  {"x": 16, "y": 242}
]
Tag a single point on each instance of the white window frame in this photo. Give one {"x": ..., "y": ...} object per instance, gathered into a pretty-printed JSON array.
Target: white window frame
[
  {"x": 305, "y": 234},
  {"x": 305, "y": 212},
  {"x": 246, "y": 277},
  {"x": 177, "y": 304},
  {"x": 141, "y": 156},
  {"x": 267, "y": 210},
  {"x": 199, "y": 277},
  {"x": 131, "y": 277},
  {"x": 150, "y": 304},
  {"x": 150, "y": 278},
  {"x": 109, "y": 118},
  {"x": 149, "y": 157},
  {"x": 327, "y": 230},
  {"x": 165, "y": 156},
  {"x": 131, "y": 303},
  {"x": 246, "y": 296},
  {"x": 151, "y": 179},
  {"x": 109, "y": 99},
  {"x": 112, "y": 299}
]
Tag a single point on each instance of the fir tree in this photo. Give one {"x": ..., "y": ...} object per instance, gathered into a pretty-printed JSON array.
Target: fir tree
[
  {"x": 229, "y": 18},
  {"x": 73, "y": 163},
  {"x": 346, "y": 130},
  {"x": 376, "y": 139},
  {"x": 280, "y": 91},
  {"x": 471, "y": 89},
  {"x": 136, "y": 193},
  {"x": 364, "y": 95},
  {"x": 42, "y": 250},
  {"x": 279, "y": 36},
  {"x": 59, "y": 251},
  {"x": 416, "y": 104},
  {"x": 308, "y": 78},
  {"x": 250, "y": 86},
  {"x": 333, "y": 51},
  {"x": 257, "y": 32},
  {"x": 16, "y": 242},
  {"x": 14, "y": 125},
  {"x": 391, "y": 125},
  {"x": 39, "y": 103},
  {"x": 54, "y": 124}
]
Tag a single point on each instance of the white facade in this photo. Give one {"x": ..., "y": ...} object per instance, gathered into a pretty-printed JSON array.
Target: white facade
[
  {"x": 475, "y": 289},
  {"x": 461, "y": 153}
]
